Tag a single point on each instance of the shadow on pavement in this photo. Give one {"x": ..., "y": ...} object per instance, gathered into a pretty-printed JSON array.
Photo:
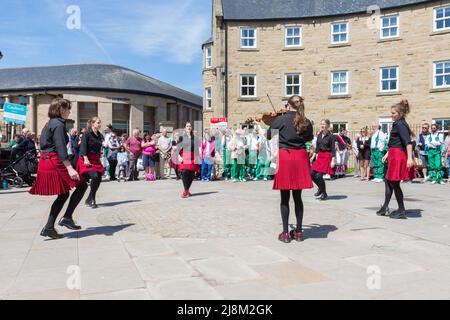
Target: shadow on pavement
[
  {"x": 203, "y": 194},
  {"x": 317, "y": 231},
  {"x": 14, "y": 192},
  {"x": 337, "y": 197},
  {"x": 415, "y": 213},
  {"x": 118, "y": 203},
  {"x": 105, "y": 230}
]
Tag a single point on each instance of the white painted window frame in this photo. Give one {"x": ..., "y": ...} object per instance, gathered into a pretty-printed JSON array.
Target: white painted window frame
[
  {"x": 339, "y": 33},
  {"x": 435, "y": 19},
  {"x": 248, "y": 86},
  {"x": 241, "y": 38},
  {"x": 435, "y": 86},
  {"x": 286, "y": 85},
  {"x": 347, "y": 83},
  {"x": 382, "y": 28},
  {"x": 208, "y": 57},
  {"x": 208, "y": 98},
  {"x": 286, "y": 37},
  {"x": 390, "y": 79}
]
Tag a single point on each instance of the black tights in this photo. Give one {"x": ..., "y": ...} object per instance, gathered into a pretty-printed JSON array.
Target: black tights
[
  {"x": 285, "y": 197},
  {"x": 390, "y": 188},
  {"x": 319, "y": 181},
  {"x": 95, "y": 178},
  {"x": 188, "y": 178},
  {"x": 61, "y": 200}
]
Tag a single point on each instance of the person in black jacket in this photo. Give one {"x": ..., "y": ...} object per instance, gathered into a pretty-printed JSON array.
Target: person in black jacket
[
  {"x": 293, "y": 172},
  {"x": 56, "y": 176},
  {"x": 400, "y": 160},
  {"x": 325, "y": 158},
  {"x": 363, "y": 144},
  {"x": 89, "y": 164}
]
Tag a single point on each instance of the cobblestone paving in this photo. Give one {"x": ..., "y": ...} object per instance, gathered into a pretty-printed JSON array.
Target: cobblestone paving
[{"x": 145, "y": 242}]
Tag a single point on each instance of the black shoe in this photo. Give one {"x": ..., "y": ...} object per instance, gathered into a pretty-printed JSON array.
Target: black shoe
[
  {"x": 88, "y": 203},
  {"x": 51, "y": 233},
  {"x": 94, "y": 205},
  {"x": 69, "y": 223},
  {"x": 323, "y": 197},
  {"x": 383, "y": 212},
  {"x": 398, "y": 215},
  {"x": 318, "y": 193}
]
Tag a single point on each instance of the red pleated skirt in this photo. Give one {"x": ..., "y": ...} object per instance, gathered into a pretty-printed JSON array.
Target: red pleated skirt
[
  {"x": 293, "y": 170},
  {"x": 323, "y": 163},
  {"x": 397, "y": 165},
  {"x": 96, "y": 164},
  {"x": 188, "y": 163},
  {"x": 52, "y": 177}
]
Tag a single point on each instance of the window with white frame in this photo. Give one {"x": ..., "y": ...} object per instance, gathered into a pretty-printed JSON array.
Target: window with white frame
[
  {"x": 248, "y": 38},
  {"x": 248, "y": 86},
  {"x": 389, "y": 27},
  {"x": 292, "y": 84},
  {"x": 338, "y": 126},
  {"x": 293, "y": 37},
  {"x": 442, "y": 18},
  {"x": 442, "y": 74},
  {"x": 339, "y": 32},
  {"x": 389, "y": 79},
  {"x": 339, "y": 82},
  {"x": 443, "y": 124},
  {"x": 208, "y": 57},
  {"x": 208, "y": 98}
]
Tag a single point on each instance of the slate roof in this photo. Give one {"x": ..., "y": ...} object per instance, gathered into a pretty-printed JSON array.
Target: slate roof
[
  {"x": 99, "y": 77},
  {"x": 290, "y": 9}
]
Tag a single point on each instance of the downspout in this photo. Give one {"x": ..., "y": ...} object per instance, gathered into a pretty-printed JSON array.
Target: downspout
[{"x": 226, "y": 69}]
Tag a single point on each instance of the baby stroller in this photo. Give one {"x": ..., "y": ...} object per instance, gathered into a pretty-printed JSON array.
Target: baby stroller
[{"x": 20, "y": 171}]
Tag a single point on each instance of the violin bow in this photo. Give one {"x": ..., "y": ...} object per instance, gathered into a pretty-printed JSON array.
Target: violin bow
[{"x": 270, "y": 100}]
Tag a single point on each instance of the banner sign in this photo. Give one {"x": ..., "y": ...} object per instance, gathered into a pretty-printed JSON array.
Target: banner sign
[
  {"x": 15, "y": 113},
  {"x": 219, "y": 123}
]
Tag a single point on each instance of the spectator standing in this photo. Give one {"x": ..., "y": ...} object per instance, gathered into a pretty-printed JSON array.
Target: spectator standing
[
  {"x": 423, "y": 150},
  {"x": 165, "y": 147},
  {"x": 434, "y": 145},
  {"x": 133, "y": 145},
  {"x": 113, "y": 147}
]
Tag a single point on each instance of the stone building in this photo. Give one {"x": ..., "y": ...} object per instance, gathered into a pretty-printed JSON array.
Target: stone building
[
  {"x": 350, "y": 60},
  {"x": 119, "y": 96}
]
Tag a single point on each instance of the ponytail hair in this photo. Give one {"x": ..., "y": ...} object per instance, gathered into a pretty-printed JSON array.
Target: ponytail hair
[
  {"x": 402, "y": 108},
  {"x": 300, "y": 122}
]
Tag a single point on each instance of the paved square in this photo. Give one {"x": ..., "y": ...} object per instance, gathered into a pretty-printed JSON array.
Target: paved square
[{"x": 145, "y": 242}]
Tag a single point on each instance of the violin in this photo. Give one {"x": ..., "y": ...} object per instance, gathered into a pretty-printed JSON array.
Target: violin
[{"x": 269, "y": 117}]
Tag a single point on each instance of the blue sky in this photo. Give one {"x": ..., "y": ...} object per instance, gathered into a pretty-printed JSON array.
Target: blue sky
[{"x": 161, "y": 39}]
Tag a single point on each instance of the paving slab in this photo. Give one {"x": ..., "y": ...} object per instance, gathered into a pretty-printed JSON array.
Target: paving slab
[{"x": 184, "y": 289}]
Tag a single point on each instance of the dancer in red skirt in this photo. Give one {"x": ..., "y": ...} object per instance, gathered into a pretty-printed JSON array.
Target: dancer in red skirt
[
  {"x": 56, "y": 176},
  {"x": 400, "y": 160},
  {"x": 189, "y": 150},
  {"x": 325, "y": 158},
  {"x": 89, "y": 164},
  {"x": 293, "y": 172}
]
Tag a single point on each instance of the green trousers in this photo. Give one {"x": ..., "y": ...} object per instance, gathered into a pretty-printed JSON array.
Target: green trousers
[
  {"x": 226, "y": 164},
  {"x": 252, "y": 163},
  {"x": 237, "y": 170},
  {"x": 262, "y": 168},
  {"x": 435, "y": 171},
  {"x": 377, "y": 163}
]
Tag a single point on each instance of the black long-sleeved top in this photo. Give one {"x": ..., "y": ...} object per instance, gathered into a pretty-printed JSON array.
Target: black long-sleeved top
[
  {"x": 288, "y": 136},
  {"x": 326, "y": 143},
  {"x": 54, "y": 138},
  {"x": 400, "y": 135},
  {"x": 366, "y": 144},
  {"x": 91, "y": 143}
]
